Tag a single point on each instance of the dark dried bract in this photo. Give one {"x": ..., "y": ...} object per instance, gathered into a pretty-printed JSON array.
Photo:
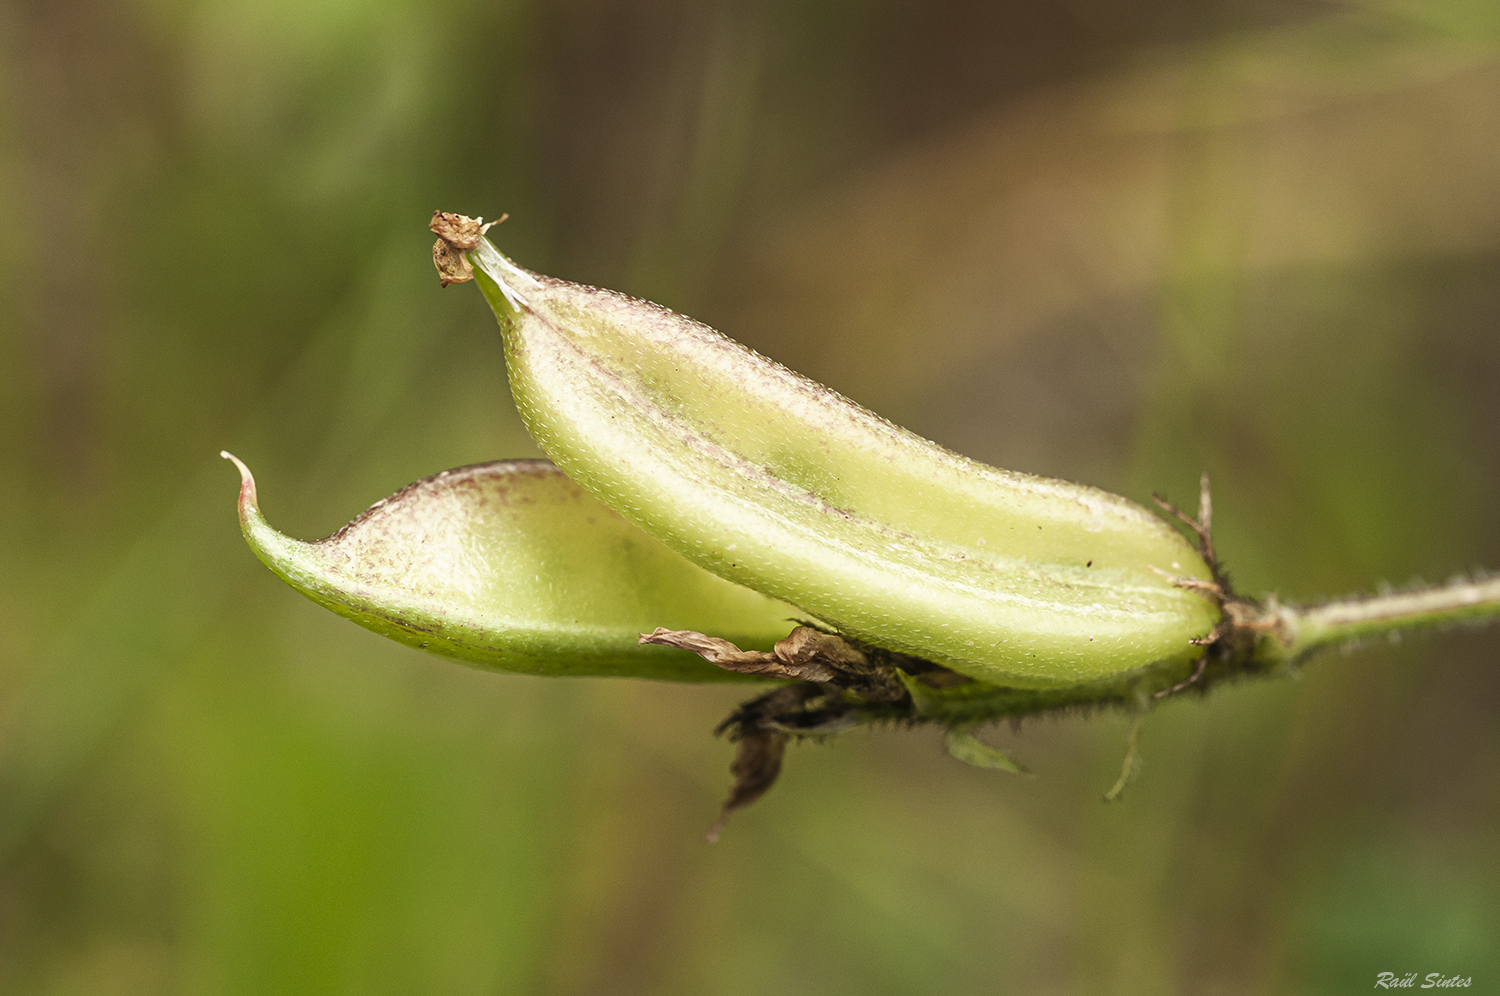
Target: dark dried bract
[
  {"x": 841, "y": 680},
  {"x": 757, "y": 762}
]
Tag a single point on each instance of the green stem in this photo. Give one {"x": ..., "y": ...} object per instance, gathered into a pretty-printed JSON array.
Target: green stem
[{"x": 1299, "y": 631}]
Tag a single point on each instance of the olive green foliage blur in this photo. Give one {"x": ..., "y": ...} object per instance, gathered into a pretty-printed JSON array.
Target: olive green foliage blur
[{"x": 1118, "y": 243}]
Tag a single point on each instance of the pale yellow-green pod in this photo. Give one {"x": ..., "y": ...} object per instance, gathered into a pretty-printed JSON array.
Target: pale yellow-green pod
[
  {"x": 512, "y": 566},
  {"x": 782, "y": 485}
]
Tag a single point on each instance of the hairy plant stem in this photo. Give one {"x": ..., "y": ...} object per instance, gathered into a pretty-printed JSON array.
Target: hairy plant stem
[
  {"x": 1300, "y": 631},
  {"x": 857, "y": 685},
  {"x": 1262, "y": 639}
]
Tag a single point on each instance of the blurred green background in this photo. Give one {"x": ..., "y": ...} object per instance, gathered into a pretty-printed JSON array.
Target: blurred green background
[{"x": 1120, "y": 242}]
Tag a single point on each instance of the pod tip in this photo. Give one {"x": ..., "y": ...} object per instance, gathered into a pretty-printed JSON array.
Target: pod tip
[{"x": 248, "y": 499}]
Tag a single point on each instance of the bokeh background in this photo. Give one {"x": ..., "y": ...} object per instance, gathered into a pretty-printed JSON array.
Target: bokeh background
[{"x": 1119, "y": 241}]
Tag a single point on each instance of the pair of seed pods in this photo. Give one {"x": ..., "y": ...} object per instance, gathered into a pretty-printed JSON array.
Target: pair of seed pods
[{"x": 697, "y": 486}]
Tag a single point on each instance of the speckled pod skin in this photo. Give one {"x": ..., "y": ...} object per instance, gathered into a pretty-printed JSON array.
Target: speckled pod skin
[
  {"x": 511, "y": 566},
  {"x": 779, "y": 484}
]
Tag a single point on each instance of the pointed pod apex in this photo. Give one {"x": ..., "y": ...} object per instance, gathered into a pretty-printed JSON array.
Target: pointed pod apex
[
  {"x": 511, "y": 565},
  {"x": 249, "y": 504},
  {"x": 507, "y": 278}
]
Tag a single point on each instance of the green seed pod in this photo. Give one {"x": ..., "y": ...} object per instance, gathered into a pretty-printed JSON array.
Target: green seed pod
[
  {"x": 782, "y": 485},
  {"x": 512, "y": 566}
]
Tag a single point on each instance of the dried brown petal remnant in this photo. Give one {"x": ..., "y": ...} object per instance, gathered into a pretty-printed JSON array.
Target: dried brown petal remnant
[
  {"x": 789, "y": 660},
  {"x": 452, "y": 265},
  {"x": 807, "y": 654},
  {"x": 456, "y": 234}
]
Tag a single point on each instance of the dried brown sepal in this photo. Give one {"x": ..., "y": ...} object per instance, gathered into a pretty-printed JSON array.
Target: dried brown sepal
[
  {"x": 452, "y": 265},
  {"x": 457, "y": 234},
  {"x": 838, "y": 678},
  {"x": 757, "y": 762},
  {"x": 795, "y": 657},
  {"x": 805, "y": 645},
  {"x": 1242, "y": 622},
  {"x": 461, "y": 231}
]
